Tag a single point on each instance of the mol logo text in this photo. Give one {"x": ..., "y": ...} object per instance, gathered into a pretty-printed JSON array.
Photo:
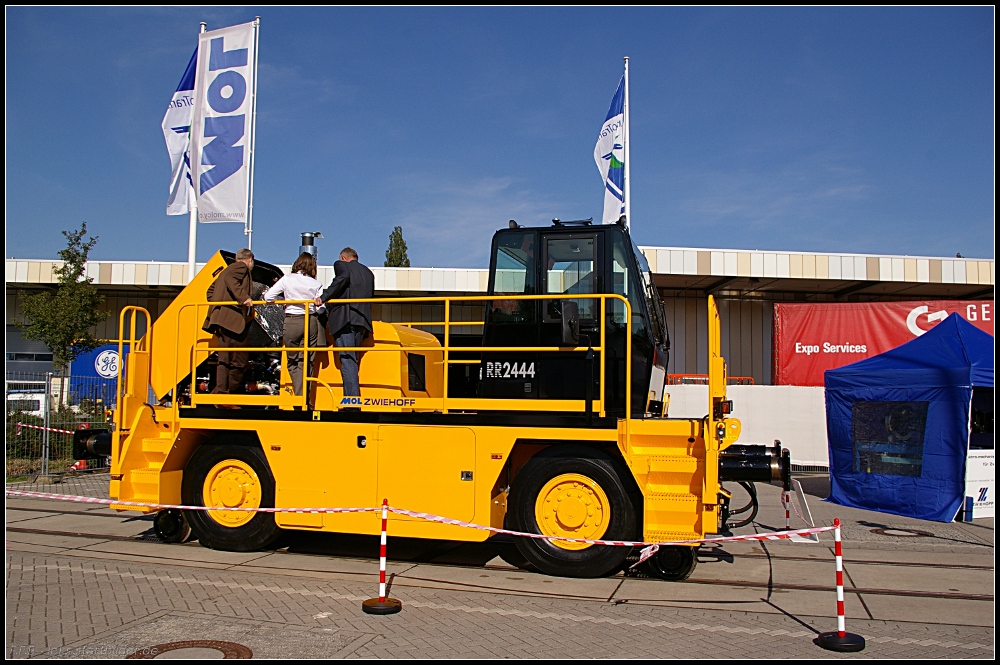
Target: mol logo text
[
  {"x": 377, "y": 401},
  {"x": 227, "y": 92}
]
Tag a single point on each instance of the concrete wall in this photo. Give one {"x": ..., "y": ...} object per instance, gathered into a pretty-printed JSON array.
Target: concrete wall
[{"x": 795, "y": 415}]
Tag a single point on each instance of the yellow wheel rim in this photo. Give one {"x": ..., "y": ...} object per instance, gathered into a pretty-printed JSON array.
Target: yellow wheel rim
[
  {"x": 573, "y": 506},
  {"x": 231, "y": 484}
]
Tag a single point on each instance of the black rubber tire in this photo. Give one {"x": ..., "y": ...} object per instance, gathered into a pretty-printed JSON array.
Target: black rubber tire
[
  {"x": 171, "y": 526},
  {"x": 673, "y": 563},
  {"x": 260, "y": 531},
  {"x": 596, "y": 560}
]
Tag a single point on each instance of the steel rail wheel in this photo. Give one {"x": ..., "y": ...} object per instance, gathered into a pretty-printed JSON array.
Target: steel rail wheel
[
  {"x": 171, "y": 526},
  {"x": 573, "y": 492},
  {"x": 230, "y": 476},
  {"x": 673, "y": 562}
]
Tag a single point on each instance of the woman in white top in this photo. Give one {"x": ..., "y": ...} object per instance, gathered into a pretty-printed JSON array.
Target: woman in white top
[{"x": 301, "y": 284}]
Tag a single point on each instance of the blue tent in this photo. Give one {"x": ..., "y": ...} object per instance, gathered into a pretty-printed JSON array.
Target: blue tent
[{"x": 898, "y": 423}]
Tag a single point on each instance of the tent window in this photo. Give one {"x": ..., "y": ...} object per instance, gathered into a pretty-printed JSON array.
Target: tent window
[
  {"x": 889, "y": 437},
  {"x": 982, "y": 419}
]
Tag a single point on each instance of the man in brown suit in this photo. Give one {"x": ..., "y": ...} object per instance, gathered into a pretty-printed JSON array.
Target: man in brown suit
[{"x": 229, "y": 322}]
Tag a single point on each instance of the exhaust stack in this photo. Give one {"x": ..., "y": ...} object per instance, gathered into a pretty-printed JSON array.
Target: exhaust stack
[{"x": 307, "y": 246}]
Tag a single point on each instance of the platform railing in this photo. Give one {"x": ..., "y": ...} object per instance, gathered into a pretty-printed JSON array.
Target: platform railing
[{"x": 200, "y": 350}]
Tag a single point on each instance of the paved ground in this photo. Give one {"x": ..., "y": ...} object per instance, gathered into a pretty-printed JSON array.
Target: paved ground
[{"x": 84, "y": 581}]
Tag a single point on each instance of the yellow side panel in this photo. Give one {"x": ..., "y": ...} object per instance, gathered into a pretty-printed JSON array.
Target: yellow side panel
[
  {"x": 667, "y": 459},
  {"x": 177, "y": 328},
  {"x": 322, "y": 465},
  {"x": 430, "y": 470},
  {"x": 129, "y": 463},
  {"x": 313, "y": 498}
]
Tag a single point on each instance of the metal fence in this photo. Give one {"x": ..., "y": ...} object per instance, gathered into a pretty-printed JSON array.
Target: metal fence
[
  {"x": 42, "y": 412},
  {"x": 702, "y": 380}
]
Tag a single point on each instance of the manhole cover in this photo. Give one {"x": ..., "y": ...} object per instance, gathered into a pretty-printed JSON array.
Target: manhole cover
[
  {"x": 194, "y": 649},
  {"x": 903, "y": 533}
]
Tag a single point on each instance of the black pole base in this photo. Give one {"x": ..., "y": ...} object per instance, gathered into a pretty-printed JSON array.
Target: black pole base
[
  {"x": 375, "y": 606},
  {"x": 832, "y": 641}
]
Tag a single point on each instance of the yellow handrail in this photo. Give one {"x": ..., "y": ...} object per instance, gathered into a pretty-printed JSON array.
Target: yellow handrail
[
  {"x": 410, "y": 324},
  {"x": 446, "y": 348},
  {"x": 119, "y": 419}
]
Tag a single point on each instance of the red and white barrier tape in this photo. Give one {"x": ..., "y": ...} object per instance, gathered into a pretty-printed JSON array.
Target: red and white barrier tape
[
  {"x": 165, "y": 506},
  {"x": 785, "y": 500},
  {"x": 649, "y": 548},
  {"x": 795, "y": 508},
  {"x": 51, "y": 429}
]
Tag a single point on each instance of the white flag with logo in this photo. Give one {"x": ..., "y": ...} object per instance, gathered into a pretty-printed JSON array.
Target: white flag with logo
[
  {"x": 609, "y": 153},
  {"x": 177, "y": 134},
  {"x": 223, "y": 106}
]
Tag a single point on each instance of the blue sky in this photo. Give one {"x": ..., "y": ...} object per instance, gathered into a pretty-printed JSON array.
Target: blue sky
[{"x": 830, "y": 129}]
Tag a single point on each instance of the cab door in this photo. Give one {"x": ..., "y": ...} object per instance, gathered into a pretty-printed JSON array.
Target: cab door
[
  {"x": 572, "y": 264},
  {"x": 510, "y": 322}
]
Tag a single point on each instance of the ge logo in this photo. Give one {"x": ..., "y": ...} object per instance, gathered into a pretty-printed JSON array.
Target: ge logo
[{"x": 106, "y": 364}]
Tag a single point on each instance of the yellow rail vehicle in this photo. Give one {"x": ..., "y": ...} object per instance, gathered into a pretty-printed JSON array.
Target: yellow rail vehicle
[{"x": 539, "y": 407}]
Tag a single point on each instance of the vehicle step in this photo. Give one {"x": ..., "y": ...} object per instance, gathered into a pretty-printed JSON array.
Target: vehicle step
[
  {"x": 157, "y": 444},
  {"x": 670, "y": 536},
  {"x": 664, "y": 495},
  {"x": 144, "y": 479},
  {"x": 668, "y": 464}
]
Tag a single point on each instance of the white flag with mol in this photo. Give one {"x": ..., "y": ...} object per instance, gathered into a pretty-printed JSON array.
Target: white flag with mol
[
  {"x": 177, "y": 133},
  {"x": 222, "y": 122},
  {"x": 609, "y": 153}
]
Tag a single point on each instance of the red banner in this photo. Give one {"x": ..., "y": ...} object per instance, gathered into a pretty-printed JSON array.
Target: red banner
[{"x": 812, "y": 338}]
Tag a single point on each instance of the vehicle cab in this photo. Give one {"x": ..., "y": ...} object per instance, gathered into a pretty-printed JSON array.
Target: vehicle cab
[{"x": 566, "y": 259}]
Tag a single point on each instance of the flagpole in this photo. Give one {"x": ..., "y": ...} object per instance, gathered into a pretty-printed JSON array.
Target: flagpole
[
  {"x": 193, "y": 230},
  {"x": 248, "y": 229},
  {"x": 628, "y": 171},
  {"x": 192, "y": 201}
]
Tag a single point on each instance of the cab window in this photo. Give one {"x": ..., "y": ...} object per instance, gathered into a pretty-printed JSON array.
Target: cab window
[
  {"x": 570, "y": 265},
  {"x": 514, "y": 275},
  {"x": 625, "y": 281}
]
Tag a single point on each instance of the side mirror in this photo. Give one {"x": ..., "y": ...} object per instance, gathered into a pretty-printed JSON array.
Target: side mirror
[{"x": 570, "y": 318}]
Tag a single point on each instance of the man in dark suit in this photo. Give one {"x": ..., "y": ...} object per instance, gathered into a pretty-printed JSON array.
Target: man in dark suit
[
  {"x": 229, "y": 322},
  {"x": 349, "y": 323}
]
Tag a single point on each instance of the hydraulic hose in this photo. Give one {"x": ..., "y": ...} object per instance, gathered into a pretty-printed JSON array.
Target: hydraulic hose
[
  {"x": 753, "y": 506},
  {"x": 751, "y": 493}
]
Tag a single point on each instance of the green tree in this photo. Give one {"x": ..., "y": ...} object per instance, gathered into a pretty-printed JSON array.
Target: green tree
[
  {"x": 395, "y": 256},
  {"x": 62, "y": 320}
]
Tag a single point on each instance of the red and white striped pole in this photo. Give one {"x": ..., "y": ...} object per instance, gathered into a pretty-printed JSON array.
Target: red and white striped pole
[
  {"x": 786, "y": 498},
  {"x": 838, "y": 552},
  {"x": 381, "y": 552},
  {"x": 382, "y": 605},
  {"x": 840, "y": 640}
]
